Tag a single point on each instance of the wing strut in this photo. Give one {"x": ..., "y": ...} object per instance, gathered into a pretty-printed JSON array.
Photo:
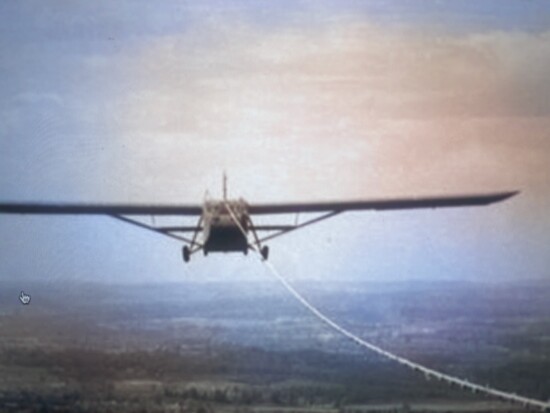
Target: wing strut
[
  {"x": 157, "y": 230},
  {"x": 195, "y": 234}
]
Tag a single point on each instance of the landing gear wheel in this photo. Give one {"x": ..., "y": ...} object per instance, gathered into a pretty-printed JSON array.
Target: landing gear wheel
[
  {"x": 186, "y": 254},
  {"x": 265, "y": 252}
]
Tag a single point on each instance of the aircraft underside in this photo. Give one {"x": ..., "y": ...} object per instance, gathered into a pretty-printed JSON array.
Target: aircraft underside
[
  {"x": 222, "y": 234},
  {"x": 227, "y": 238}
]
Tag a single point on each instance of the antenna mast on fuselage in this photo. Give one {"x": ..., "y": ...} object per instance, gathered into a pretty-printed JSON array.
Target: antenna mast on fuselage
[{"x": 224, "y": 186}]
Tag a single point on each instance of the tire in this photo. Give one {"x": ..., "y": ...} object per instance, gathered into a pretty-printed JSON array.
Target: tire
[{"x": 186, "y": 254}]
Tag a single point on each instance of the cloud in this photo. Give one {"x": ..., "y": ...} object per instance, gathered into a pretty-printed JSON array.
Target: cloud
[
  {"x": 39, "y": 98},
  {"x": 345, "y": 108}
]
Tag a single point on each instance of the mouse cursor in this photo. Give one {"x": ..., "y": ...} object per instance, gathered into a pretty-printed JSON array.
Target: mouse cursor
[{"x": 24, "y": 298}]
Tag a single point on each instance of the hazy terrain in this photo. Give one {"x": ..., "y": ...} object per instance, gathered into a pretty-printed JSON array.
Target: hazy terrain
[{"x": 219, "y": 346}]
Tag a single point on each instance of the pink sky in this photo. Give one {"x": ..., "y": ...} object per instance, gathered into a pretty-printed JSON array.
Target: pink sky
[{"x": 341, "y": 109}]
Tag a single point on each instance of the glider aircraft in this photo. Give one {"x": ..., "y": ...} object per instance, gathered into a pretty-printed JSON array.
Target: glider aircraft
[{"x": 223, "y": 225}]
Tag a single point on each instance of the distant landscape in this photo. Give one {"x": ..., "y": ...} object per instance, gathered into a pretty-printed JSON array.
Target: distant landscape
[{"x": 248, "y": 347}]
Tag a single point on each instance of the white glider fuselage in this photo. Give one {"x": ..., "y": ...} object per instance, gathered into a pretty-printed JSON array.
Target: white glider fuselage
[{"x": 220, "y": 231}]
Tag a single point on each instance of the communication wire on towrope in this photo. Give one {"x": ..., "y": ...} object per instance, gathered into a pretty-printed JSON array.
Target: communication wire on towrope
[{"x": 428, "y": 372}]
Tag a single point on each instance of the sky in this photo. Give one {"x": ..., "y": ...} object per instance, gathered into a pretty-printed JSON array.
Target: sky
[{"x": 140, "y": 102}]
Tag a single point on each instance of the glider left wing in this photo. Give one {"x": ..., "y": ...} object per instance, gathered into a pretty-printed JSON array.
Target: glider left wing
[
  {"x": 118, "y": 211},
  {"x": 99, "y": 209}
]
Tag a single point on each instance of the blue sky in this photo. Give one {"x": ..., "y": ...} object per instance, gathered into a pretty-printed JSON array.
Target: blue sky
[{"x": 135, "y": 102}]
